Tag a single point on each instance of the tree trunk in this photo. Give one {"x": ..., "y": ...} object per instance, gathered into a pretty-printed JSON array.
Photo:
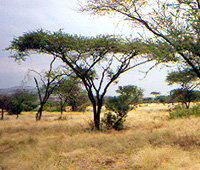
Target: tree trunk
[
  {"x": 39, "y": 113},
  {"x": 2, "y": 114},
  {"x": 61, "y": 107},
  {"x": 97, "y": 114}
]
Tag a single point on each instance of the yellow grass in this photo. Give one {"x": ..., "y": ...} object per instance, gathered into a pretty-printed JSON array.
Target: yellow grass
[{"x": 150, "y": 142}]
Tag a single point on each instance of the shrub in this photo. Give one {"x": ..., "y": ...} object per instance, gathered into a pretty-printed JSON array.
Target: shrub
[
  {"x": 119, "y": 108},
  {"x": 83, "y": 107},
  {"x": 182, "y": 112},
  {"x": 111, "y": 120}
]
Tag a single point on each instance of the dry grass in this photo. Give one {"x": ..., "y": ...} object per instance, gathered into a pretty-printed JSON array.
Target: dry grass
[{"x": 150, "y": 142}]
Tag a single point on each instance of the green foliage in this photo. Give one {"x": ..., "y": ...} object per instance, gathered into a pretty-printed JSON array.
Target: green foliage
[
  {"x": 182, "y": 77},
  {"x": 188, "y": 81},
  {"x": 113, "y": 121},
  {"x": 182, "y": 112},
  {"x": 120, "y": 106},
  {"x": 147, "y": 100},
  {"x": 162, "y": 99},
  {"x": 82, "y": 108},
  {"x": 21, "y": 100},
  {"x": 52, "y": 42},
  {"x": 29, "y": 106},
  {"x": 184, "y": 96},
  {"x": 131, "y": 94}
]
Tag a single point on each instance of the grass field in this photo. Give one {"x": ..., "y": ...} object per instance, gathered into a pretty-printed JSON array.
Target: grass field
[{"x": 149, "y": 142}]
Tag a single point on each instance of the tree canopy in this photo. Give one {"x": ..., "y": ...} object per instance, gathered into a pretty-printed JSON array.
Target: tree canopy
[
  {"x": 132, "y": 94},
  {"x": 185, "y": 78},
  {"x": 188, "y": 81}
]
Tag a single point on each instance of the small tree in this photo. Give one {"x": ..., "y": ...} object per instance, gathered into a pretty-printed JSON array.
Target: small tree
[
  {"x": 155, "y": 94},
  {"x": 184, "y": 96},
  {"x": 70, "y": 92},
  {"x": 45, "y": 84},
  {"x": 121, "y": 105},
  {"x": 188, "y": 81},
  {"x": 17, "y": 101},
  {"x": 119, "y": 108}
]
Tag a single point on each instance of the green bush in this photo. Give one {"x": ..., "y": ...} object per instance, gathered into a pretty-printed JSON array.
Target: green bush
[
  {"x": 28, "y": 106},
  {"x": 52, "y": 109},
  {"x": 83, "y": 107},
  {"x": 111, "y": 120},
  {"x": 182, "y": 112},
  {"x": 119, "y": 108}
]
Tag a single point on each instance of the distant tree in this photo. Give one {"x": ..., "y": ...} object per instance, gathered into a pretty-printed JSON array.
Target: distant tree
[
  {"x": 3, "y": 104},
  {"x": 45, "y": 84},
  {"x": 132, "y": 94},
  {"x": 16, "y": 102},
  {"x": 188, "y": 81},
  {"x": 172, "y": 27},
  {"x": 147, "y": 100},
  {"x": 70, "y": 92},
  {"x": 184, "y": 96},
  {"x": 155, "y": 94},
  {"x": 96, "y": 61},
  {"x": 162, "y": 99}
]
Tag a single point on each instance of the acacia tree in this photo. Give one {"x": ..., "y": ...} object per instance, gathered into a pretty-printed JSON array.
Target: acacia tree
[
  {"x": 174, "y": 24},
  {"x": 188, "y": 81},
  {"x": 96, "y": 61},
  {"x": 45, "y": 84}
]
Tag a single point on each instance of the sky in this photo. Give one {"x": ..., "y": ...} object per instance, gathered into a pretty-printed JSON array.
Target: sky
[{"x": 20, "y": 16}]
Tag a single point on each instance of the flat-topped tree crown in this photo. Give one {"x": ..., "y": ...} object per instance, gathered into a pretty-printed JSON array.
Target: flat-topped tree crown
[{"x": 59, "y": 43}]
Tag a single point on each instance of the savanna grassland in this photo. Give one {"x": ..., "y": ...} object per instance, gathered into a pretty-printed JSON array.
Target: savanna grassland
[{"x": 150, "y": 141}]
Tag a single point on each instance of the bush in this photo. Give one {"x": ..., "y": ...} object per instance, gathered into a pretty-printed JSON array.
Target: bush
[
  {"x": 119, "y": 108},
  {"x": 113, "y": 121},
  {"x": 182, "y": 112},
  {"x": 83, "y": 107},
  {"x": 29, "y": 106}
]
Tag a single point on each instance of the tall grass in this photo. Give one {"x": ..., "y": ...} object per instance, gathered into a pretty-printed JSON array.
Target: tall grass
[{"x": 151, "y": 141}]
